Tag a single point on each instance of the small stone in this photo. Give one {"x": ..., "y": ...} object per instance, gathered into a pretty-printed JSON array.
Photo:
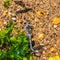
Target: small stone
[
  {"x": 5, "y": 22},
  {"x": 44, "y": 48},
  {"x": 0, "y": 29},
  {"x": 43, "y": 52},
  {"x": 42, "y": 44},
  {"x": 55, "y": 26},
  {"x": 9, "y": 13},
  {"x": 55, "y": 45},
  {"x": 13, "y": 14},
  {"x": 13, "y": 18},
  {"x": 56, "y": 53},
  {"x": 37, "y": 20},
  {"x": 37, "y": 53}
]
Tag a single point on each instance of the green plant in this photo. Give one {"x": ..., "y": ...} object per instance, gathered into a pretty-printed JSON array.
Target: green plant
[
  {"x": 14, "y": 47},
  {"x": 7, "y": 3}
]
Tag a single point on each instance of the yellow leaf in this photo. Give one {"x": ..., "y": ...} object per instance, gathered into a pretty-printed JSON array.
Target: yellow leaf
[
  {"x": 41, "y": 36},
  {"x": 1, "y": 23},
  {"x": 20, "y": 20},
  {"x": 57, "y": 57},
  {"x": 40, "y": 13},
  {"x": 56, "y": 20},
  {"x": 4, "y": 13},
  {"x": 52, "y": 49},
  {"x": 33, "y": 38},
  {"x": 54, "y": 58},
  {"x": 56, "y": 53},
  {"x": 50, "y": 58}
]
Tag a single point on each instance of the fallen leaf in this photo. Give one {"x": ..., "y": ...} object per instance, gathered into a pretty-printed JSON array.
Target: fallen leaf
[
  {"x": 4, "y": 13},
  {"x": 52, "y": 49},
  {"x": 56, "y": 53},
  {"x": 41, "y": 13},
  {"x": 20, "y": 20},
  {"x": 56, "y": 20},
  {"x": 41, "y": 36},
  {"x": 54, "y": 58},
  {"x": 1, "y": 23}
]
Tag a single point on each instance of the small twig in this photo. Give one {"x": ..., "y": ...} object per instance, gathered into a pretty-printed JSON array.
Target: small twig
[
  {"x": 24, "y": 10},
  {"x": 27, "y": 28},
  {"x": 28, "y": 31},
  {"x": 38, "y": 47},
  {"x": 21, "y": 3}
]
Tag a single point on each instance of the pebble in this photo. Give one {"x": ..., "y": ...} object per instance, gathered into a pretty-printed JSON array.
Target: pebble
[
  {"x": 13, "y": 14},
  {"x": 9, "y": 13},
  {"x": 0, "y": 29},
  {"x": 44, "y": 48},
  {"x": 13, "y": 18},
  {"x": 44, "y": 52},
  {"x": 41, "y": 44},
  {"x": 5, "y": 22},
  {"x": 55, "y": 45},
  {"x": 55, "y": 26},
  {"x": 37, "y": 53}
]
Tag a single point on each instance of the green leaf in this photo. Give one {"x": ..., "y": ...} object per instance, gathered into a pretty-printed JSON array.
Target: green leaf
[
  {"x": 25, "y": 58},
  {"x": 3, "y": 33},
  {"x": 31, "y": 57},
  {"x": 17, "y": 47},
  {"x": 6, "y": 4},
  {"x": 13, "y": 38}
]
